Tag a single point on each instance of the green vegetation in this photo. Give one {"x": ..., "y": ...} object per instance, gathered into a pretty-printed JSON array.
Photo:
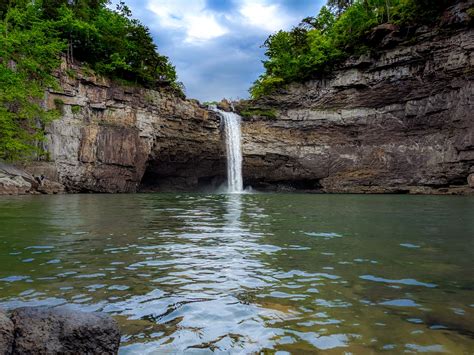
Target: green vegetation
[
  {"x": 75, "y": 109},
  {"x": 210, "y": 103},
  {"x": 29, "y": 51},
  {"x": 35, "y": 34},
  {"x": 319, "y": 43},
  {"x": 470, "y": 12},
  {"x": 59, "y": 104},
  {"x": 250, "y": 112}
]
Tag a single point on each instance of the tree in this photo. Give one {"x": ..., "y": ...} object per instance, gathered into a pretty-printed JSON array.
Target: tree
[
  {"x": 29, "y": 51},
  {"x": 339, "y": 6},
  {"x": 323, "y": 22},
  {"x": 33, "y": 37},
  {"x": 319, "y": 43}
]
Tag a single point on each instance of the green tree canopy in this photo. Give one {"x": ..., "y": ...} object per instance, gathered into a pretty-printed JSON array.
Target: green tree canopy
[
  {"x": 34, "y": 34},
  {"x": 319, "y": 43}
]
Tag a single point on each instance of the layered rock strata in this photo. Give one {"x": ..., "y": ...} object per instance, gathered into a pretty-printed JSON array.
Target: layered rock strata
[
  {"x": 400, "y": 120},
  {"x": 114, "y": 138}
]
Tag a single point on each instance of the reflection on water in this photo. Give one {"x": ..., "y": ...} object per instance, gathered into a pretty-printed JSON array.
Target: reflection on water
[{"x": 249, "y": 273}]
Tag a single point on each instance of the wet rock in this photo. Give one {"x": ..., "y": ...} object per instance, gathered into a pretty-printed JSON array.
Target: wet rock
[
  {"x": 6, "y": 334},
  {"x": 43, "y": 330},
  {"x": 50, "y": 187}
]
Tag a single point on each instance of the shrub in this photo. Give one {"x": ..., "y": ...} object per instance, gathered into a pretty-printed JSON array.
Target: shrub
[{"x": 75, "y": 109}]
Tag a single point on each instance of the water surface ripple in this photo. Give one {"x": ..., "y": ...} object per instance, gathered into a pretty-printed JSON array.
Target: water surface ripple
[{"x": 250, "y": 273}]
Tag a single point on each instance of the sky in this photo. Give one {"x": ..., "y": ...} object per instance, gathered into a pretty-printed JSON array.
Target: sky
[{"x": 216, "y": 44}]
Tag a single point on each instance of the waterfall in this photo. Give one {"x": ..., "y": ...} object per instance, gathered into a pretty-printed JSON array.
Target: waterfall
[{"x": 231, "y": 122}]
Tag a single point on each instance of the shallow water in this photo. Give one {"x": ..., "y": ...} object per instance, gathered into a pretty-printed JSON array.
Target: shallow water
[{"x": 250, "y": 273}]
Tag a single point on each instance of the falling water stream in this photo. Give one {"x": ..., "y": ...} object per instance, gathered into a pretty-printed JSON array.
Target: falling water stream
[{"x": 231, "y": 122}]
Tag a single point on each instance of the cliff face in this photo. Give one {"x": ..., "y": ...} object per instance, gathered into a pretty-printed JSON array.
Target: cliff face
[
  {"x": 114, "y": 138},
  {"x": 401, "y": 120}
]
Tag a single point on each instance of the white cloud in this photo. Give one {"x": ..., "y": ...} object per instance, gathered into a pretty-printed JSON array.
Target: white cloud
[
  {"x": 200, "y": 24},
  {"x": 218, "y": 53},
  {"x": 191, "y": 17},
  {"x": 204, "y": 27},
  {"x": 269, "y": 17}
]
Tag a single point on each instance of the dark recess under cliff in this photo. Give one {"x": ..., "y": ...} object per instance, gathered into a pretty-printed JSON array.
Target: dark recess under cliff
[{"x": 189, "y": 175}]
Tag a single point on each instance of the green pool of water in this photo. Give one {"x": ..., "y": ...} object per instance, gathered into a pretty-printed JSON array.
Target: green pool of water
[{"x": 250, "y": 273}]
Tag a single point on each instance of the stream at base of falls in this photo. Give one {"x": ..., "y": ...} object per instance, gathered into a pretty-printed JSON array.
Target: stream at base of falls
[{"x": 249, "y": 273}]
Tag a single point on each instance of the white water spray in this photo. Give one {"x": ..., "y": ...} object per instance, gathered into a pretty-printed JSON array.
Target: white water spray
[{"x": 231, "y": 123}]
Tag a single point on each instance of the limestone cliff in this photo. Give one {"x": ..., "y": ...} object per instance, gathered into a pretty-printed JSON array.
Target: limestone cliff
[
  {"x": 114, "y": 138},
  {"x": 398, "y": 120}
]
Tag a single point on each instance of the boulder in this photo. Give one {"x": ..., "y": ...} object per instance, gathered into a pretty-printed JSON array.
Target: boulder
[
  {"x": 17, "y": 181},
  {"x": 14, "y": 181},
  {"x": 50, "y": 187},
  {"x": 44, "y": 330},
  {"x": 6, "y": 334},
  {"x": 470, "y": 180},
  {"x": 13, "y": 185}
]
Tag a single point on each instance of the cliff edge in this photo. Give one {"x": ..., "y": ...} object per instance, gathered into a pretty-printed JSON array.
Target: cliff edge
[{"x": 400, "y": 119}]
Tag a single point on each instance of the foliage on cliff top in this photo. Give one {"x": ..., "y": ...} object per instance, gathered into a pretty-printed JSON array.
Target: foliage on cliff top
[
  {"x": 319, "y": 43},
  {"x": 33, "y": 37}
]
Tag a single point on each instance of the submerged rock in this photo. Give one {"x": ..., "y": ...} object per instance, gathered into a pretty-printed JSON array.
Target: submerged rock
[{"x": 43, "y": 330}]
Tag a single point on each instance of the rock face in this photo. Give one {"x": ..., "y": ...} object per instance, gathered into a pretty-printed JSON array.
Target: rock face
[
  {"x": 398, "y": 121},
  {"x": 6, "y": 334},
  {"x": 113, "y": 138},
  {"x": 42, "y": 330},
  {"x": 16, "y": 181}
]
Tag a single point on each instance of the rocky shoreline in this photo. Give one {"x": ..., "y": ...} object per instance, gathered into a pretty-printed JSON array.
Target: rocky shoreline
[
  {"x": 44, "y": 330},
  {"x": 15, "y": 180}
]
